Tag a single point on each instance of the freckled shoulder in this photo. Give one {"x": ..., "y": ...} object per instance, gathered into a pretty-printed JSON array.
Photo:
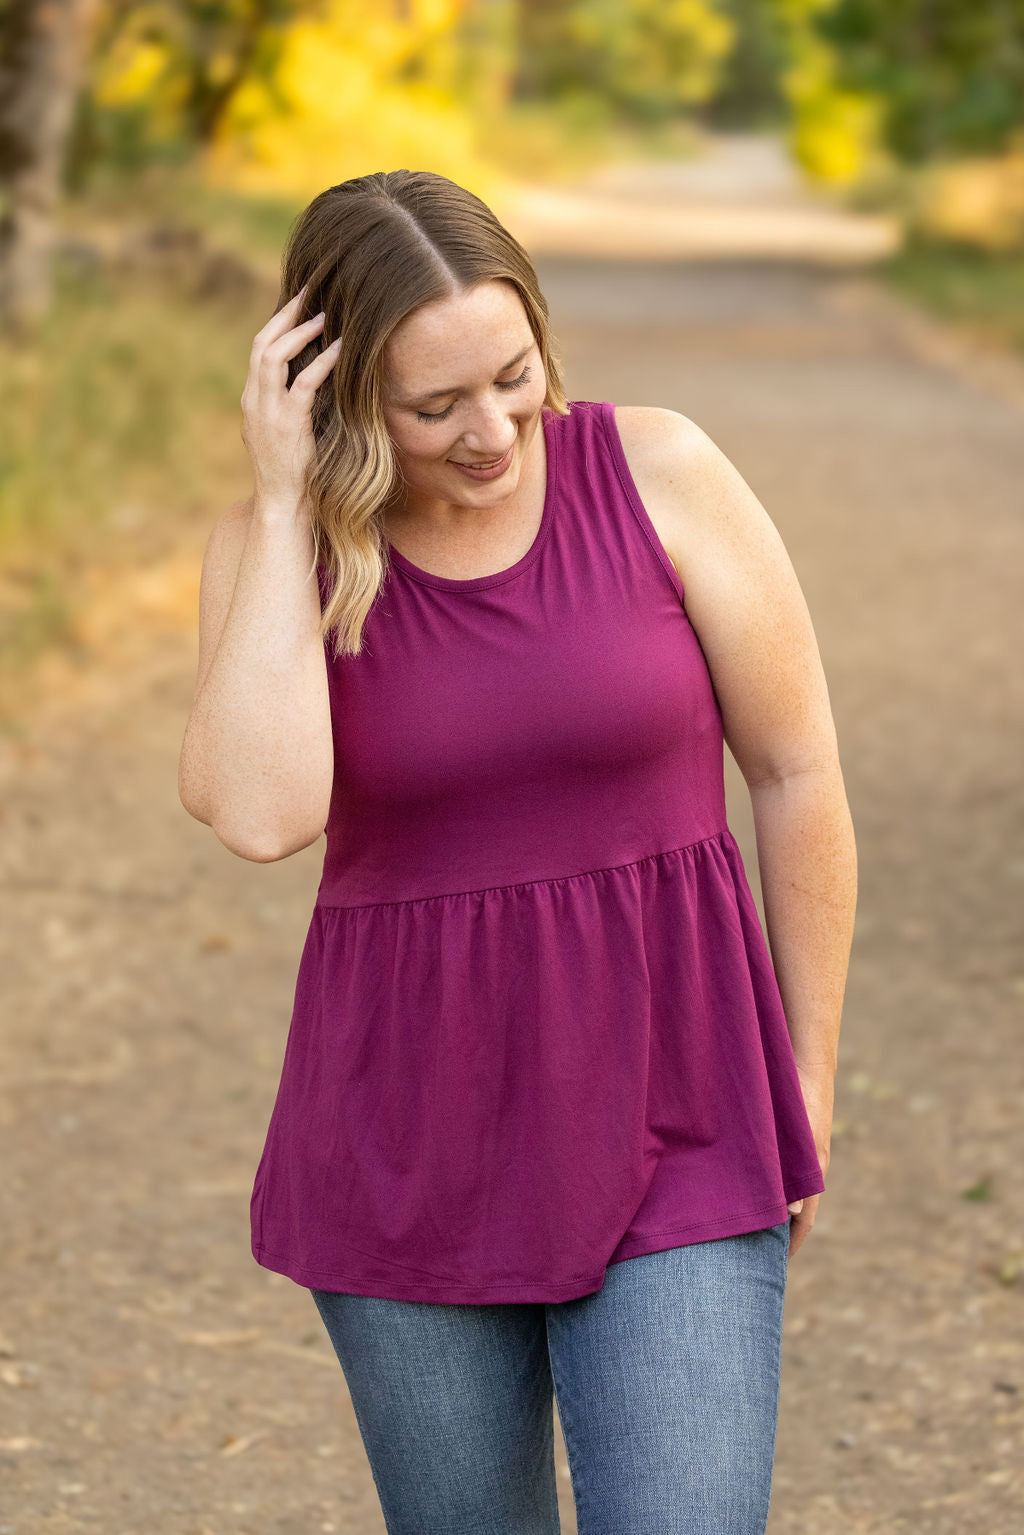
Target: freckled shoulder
[{"x": 662, "y": 449}]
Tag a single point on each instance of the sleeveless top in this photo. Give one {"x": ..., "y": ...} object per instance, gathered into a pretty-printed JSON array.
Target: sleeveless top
[{"x": 536, "y": 1026}]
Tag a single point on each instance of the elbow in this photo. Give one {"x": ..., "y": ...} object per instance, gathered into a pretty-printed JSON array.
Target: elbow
[
  {"x": 190, "y": 787},
  {"x": 264, "y": 846},
  {"x": 240, "y": 840},
  {"x": 257, "y": 837},
  {"x": 190, "y": 800},
  {"x": 253, "y": 843},
  {"x": 251, "y": 850}
]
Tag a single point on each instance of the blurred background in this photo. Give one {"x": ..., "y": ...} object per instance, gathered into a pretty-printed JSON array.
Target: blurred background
[{"x": 799, "y": 222}]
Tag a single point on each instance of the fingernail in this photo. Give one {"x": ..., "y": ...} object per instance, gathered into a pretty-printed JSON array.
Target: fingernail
[{"x": 796, "y": 1207}]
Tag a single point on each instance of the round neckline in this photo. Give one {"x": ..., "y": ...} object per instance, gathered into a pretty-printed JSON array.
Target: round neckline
[{"x": 498, "y": 577}]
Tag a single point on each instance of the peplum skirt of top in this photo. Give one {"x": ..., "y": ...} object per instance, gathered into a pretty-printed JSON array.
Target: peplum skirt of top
[{"x": 490, "y": 1096}]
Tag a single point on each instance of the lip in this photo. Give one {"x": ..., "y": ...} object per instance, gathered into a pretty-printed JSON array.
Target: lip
[{"x": 486, "y": 471}]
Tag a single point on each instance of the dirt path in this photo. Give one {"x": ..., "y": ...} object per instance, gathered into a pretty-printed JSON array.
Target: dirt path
[
  {"x": 740, "y": 195},
  {"x": 154, "y": 1380}
]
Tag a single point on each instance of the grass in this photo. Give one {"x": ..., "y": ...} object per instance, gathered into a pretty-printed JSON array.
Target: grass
[
  {"x": 246, "y": 225},
  {"x": 980, "y": 290},
  {"x": 122, "y": 424}
]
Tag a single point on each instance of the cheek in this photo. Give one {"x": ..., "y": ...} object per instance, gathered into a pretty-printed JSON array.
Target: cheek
[
  {"x": 418, "y": 443},
  {"x": 423, "y": 447}
]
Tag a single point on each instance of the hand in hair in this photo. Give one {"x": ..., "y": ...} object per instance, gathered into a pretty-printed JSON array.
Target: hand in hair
[{"x": 278, "y": 430}]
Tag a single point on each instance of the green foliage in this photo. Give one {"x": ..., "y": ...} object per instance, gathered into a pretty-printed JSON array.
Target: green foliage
[
  {"x": 646, "y": 60},
  {"x": 170, "y": 80},
  {"x": 859, "y": 81},
  {"x": 913, "y": 80},
  {"x": 834, "y": 131},
  {"x": 951, "y": 74},
  {"x": 749, "y": 91},
  {"x": 163, "y": 73}
]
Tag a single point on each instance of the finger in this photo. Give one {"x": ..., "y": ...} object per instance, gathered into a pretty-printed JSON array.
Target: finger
[
  {"x": 292, "y": 342},
  {"x": 313, "y": 374},
  {"x": 796, "y": 1206},
  {"x": 281, "y": 321}
]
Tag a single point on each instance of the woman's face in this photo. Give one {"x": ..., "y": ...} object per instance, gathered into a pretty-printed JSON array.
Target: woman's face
[{"x": 464, "y": 385}]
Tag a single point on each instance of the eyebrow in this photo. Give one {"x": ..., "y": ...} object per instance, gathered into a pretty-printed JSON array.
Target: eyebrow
[{"x": 437, "y": 394}]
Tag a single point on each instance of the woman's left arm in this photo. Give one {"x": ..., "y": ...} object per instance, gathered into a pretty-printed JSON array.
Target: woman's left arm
[
  {"x": 808, "y": 866},
  {"x": 748, "y": 611}
]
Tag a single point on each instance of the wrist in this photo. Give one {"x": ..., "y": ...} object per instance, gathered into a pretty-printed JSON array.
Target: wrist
[
  {"x": 817, "y": 1079},
  {"x": 271, "y": 505}
]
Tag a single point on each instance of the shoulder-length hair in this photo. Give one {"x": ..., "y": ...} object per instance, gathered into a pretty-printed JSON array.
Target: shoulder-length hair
[{"x": 372, "y": 250}]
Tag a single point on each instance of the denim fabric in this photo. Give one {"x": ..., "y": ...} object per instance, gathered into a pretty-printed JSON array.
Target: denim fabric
[{"x": 667, "y": 1383}]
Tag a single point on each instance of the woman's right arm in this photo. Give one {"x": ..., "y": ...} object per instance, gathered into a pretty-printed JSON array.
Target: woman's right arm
[{"x": 257, "y": 760}]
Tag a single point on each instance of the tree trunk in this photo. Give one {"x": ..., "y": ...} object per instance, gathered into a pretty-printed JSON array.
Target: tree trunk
[
  {"x": 42, "y": 54},
  {"x": 208, "y": 97}
]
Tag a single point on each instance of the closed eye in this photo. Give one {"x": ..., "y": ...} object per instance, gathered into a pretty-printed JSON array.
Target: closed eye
[{"x": 514, "y": 383}]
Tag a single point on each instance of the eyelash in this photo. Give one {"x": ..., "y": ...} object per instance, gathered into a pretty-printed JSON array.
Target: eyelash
[{"x": 514, "y": 383}]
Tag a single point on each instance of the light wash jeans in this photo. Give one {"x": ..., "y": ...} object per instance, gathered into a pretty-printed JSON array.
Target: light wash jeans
[{"x": 667, "y": 1382}]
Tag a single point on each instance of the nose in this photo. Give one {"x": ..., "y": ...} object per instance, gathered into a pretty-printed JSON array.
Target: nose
[{"x": 490, "y": 434}]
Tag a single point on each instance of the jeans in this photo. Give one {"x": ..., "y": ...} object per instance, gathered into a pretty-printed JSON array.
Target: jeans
[{"x": 667, "y": 1383}]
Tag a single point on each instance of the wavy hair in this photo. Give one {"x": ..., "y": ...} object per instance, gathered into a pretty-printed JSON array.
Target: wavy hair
[{"x": 372, "y": 250}]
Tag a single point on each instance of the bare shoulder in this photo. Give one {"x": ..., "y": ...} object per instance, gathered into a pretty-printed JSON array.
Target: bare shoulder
[
  {"x": 741, "y": 593},
  {"x": 678, "y": 471},
  {"x": 650, "y": 430},
  {"x": 698, "y": 500}
]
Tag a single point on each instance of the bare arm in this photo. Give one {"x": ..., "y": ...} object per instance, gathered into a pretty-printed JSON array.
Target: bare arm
[
  {"x": 807, "y": 858},
  {"x": 257, "y": 760},
  {"x": 744, "y": 601}
]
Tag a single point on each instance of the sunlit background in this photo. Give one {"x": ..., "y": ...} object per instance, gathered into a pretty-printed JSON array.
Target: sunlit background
[{"x": 800, "y": 222}]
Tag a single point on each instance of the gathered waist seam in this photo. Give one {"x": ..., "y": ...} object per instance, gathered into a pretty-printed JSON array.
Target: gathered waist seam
[{"x": 561, "y": 879}]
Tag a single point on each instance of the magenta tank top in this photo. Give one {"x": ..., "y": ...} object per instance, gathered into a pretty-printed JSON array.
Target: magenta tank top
[{"x": 536, "y": 1026}]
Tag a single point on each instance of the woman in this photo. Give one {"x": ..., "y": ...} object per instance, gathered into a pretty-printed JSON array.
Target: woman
[{"x": 549, "y": 1122}]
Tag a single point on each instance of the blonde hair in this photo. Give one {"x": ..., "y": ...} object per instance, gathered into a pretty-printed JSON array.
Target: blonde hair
[{"x": 372, "y": 250}]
